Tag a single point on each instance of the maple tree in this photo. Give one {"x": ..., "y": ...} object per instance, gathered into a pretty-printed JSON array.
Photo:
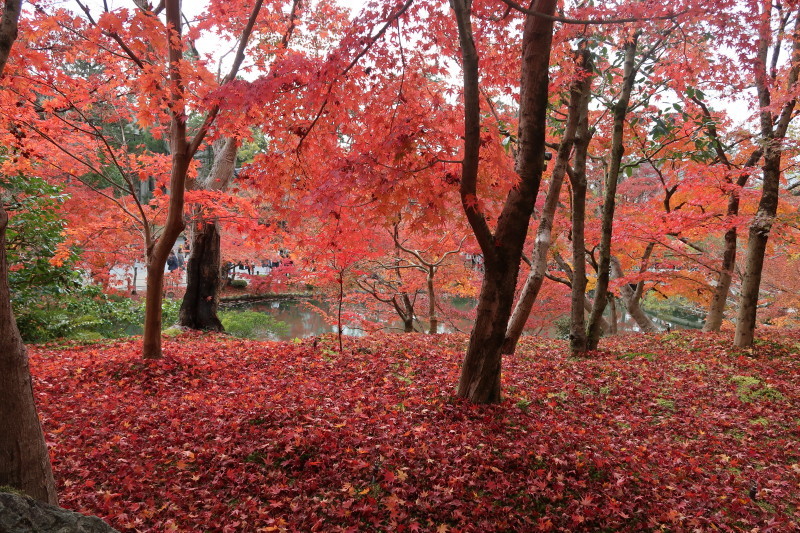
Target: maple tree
[{"x": 24, "y": 461}]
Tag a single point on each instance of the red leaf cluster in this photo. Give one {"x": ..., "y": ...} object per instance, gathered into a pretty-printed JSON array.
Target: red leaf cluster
[{"x": 671, "y": 432}]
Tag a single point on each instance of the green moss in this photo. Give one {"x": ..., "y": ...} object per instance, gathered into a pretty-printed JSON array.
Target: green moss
[
  {"x": 750, "y": 389},
  {"x": 633, "y": 355},
  {"x": 666, "y": 404},
  {"x": 11, "y": 490}
]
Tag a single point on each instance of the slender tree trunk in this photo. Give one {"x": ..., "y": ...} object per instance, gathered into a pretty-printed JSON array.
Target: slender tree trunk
[
  {"x": 587, "y": 303},
  {"x": 577, "y": 328},
  {"x": 609, "y": 198},
  {"x": 434, "y": 319},
  {"x": 201, "y": 300},
  {"x": 151, "y": 339},
  {"x": 502, "y": 250},
  {"x": 24, "y": 462},
  {"x": 135, "y": 279},
  {"x": 533, "y": 284},
  {"x": 340, "y": 304},
  {"x": 716, "y": 310}
]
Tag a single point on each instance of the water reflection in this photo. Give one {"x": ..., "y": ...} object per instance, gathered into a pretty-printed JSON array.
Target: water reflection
[
  {"x": 304, "y": 319},
  {"x": 301, "y": 317}
]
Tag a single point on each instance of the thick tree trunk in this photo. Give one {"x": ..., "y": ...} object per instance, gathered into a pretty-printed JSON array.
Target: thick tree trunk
[
  {"x": 201, "y": 300},
  {"x": 203, "y": 280},
  {"x": 24, "y": 462},
  {"x": 502, "y": 250},
  {"x": 480, "y": 372},
  {"x": 609, "y": 197},
  {"x": 756, "y": 248},
  {"x": 533, "y": 284}
]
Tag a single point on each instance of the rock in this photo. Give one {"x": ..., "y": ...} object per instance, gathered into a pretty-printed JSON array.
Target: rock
[{"x": 21, "y": 514}]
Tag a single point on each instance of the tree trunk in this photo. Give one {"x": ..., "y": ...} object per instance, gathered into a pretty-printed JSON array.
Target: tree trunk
[
  {"x": 772, "y": 138},
  {"x": 756, "y": 247},
  {"x": 577, "y": 323},
  {"x": 151, "y": 338},
  {"x": 612, "y": 327},
  {"x": 609, "y": 198},
  {"x": 533, "y": 284},
  {"x": 632, "y": 298},
  {"x": 182, "y": 150},
  {"x": 716, "y": 310},
  {"x": 24, "y": 462},
  {"x": 502, "y": 250},
  {"x": 201, "y": 300},
  {"x": 434, "y": 325}
]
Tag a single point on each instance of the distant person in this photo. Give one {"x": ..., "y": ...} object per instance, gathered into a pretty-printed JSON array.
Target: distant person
[
  {"x": 180, "y": 259},
  {"x": 172, "y": 262}
]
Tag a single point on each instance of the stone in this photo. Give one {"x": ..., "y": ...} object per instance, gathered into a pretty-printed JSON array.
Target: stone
[{"x": 21, "y": 514}]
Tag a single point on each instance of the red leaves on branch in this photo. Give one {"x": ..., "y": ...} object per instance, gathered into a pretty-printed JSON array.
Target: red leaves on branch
[{"x": 672, "y": 432}]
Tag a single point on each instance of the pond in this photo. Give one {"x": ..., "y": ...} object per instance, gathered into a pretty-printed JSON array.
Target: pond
[{"x": 302, "y": 319}]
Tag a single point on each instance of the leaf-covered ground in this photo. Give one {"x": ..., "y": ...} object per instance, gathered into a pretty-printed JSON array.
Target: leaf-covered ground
[{"x": 676, "y": 433}]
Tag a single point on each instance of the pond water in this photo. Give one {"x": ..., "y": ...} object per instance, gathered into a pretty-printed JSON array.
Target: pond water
[{"x": 302, "y": 319}]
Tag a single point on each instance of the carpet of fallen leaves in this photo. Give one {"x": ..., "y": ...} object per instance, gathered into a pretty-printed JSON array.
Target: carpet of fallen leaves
[{"x": 674, "y": 432}]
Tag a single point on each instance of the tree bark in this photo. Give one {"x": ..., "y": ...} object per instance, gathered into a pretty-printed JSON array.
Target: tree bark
[
  {"x": 609, "y": 198},
  {"x": 716, "y": 309},
  {"x": 203, "y": 280},
  {"x": 434, "y": 319},
  {"x": 201, "y": 299},
  {"x": 533, "y": 284},
  {"x": 577, "y": 327},
  {"x": 24, "y": 462},
  {"x": 502, "y": 250}
]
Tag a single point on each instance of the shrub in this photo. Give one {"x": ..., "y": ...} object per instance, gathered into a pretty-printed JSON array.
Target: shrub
[{"x": 239, "y": 284}]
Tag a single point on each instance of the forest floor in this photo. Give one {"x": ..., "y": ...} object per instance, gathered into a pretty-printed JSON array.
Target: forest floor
[{"x": 673, "y": 432}]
